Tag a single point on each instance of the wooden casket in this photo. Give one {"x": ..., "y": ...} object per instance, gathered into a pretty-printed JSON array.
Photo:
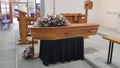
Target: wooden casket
[{"x": 61, "y": 32}]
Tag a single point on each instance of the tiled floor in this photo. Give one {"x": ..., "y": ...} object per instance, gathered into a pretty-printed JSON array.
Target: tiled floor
[
  {"x": 98, "y": 58},
  {"x": 96, "y": 49},
  {"x": 7, "y": 48}
]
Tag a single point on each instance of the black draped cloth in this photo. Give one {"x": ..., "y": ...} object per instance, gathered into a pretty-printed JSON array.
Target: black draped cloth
[{"x": 52, "y": 51}]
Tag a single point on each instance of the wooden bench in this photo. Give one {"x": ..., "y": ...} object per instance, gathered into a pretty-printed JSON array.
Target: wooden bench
[{"x": 111, "y": 44}]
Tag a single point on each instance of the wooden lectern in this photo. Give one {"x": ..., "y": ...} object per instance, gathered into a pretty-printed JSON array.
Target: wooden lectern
[{"x": 23, "y": 26}]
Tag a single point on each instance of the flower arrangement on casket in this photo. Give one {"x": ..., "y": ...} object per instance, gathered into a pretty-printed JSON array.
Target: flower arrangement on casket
[{"x": 52, "y": 20}]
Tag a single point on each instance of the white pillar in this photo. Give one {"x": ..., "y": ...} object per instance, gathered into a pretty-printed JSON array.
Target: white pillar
[{"x": 42, "y": 8}]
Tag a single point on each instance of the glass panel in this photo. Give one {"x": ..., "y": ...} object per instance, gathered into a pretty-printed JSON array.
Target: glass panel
[
  {"x": 7, "y": 5},
  {"x": 16, "y": 6},
  {"x": 31, "y": 7},
  {"x": 2, "y": 5},
  {"x": 8, "y": 11},
  {"x": 31, "y": 4},
  {"x": 2, "y": 1},
  {"x": 22, "y": 7},
  {"x": 31, "y": 11},
  {"x": 37, "y": 7},
  {"x": 37, "y": 1},
  {"x": 15, "y": 0},
  {"x": 3, "y": 11},
  {"x": 23, "y": 0},
  {"x": 7, "y": 1}
]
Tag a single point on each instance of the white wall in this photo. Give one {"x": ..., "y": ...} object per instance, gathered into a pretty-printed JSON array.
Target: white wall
[
  {"x": 48, "y": 7},
  {"x": 105, "y": 18},
  {"x": 42, "y": 10},
  {"x": 70, "y": 6},
  {"x": 92, "y": 14},
  {"x": 99, "y": 13}
]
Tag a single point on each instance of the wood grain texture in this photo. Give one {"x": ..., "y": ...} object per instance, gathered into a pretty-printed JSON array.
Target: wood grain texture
[
  {"x": 73, "y": 30},
  {"x": 23, "y": 26},
  {"x": 75, "y": 17},
  {"x": 115, "y": 40}
]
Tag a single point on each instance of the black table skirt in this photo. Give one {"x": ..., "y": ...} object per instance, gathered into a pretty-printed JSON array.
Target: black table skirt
[{"x": 52, "y": 51}]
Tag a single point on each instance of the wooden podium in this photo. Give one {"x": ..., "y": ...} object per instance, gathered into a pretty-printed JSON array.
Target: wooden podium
[{"x": 23, "y": 26}]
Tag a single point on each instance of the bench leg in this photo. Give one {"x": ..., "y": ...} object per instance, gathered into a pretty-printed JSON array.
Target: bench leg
[{"x": 110, "y": 51}]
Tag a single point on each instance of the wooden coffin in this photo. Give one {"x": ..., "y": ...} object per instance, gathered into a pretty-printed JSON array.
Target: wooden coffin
[{"x": 73, "y": 30}]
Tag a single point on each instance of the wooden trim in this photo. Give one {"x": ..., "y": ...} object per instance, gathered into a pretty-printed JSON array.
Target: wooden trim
[
  {"x": 72, "y": 30},
  {"x": 11, "y": 15},
  {"x": 112, "y": 39}
]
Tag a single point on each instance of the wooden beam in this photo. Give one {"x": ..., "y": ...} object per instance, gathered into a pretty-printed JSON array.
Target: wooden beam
[{"x": 11, "y": 15}]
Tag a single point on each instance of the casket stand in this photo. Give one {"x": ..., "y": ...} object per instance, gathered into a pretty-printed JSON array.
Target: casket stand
[{"x": 64, "y": 43}]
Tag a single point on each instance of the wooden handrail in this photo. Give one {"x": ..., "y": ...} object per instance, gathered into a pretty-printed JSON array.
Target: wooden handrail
[
  {"x": 111, "y": 45},
  {"x": 112, "y": 39}
]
